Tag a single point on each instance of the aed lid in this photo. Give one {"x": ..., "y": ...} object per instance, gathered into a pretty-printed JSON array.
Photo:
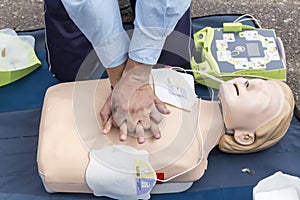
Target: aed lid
[{"x": 17, "y": 56}]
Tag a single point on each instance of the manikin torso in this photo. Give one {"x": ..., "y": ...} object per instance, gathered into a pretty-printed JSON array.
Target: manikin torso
[
  {"x": 179, "y": 129},
  {"x": 71, "y": 128}
]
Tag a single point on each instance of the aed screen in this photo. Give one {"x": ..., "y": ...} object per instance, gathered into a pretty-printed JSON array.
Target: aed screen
[{"x": 253, "y": 49}]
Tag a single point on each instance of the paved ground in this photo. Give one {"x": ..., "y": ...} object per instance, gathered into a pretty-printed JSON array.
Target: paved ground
[{"x": 281, "y": 15}]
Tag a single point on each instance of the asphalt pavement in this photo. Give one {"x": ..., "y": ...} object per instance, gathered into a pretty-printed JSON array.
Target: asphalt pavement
[{"x": 281, "y": 15}]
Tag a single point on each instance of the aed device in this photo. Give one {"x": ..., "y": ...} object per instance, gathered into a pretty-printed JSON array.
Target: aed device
[{"x": 238, "y": 50}]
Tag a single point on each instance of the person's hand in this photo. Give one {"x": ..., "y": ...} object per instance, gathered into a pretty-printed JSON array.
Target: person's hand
[
  {"x": 133, "y": 105},
  {"x": 108, "y": 122},
  {"x": 149, "y": 121}
]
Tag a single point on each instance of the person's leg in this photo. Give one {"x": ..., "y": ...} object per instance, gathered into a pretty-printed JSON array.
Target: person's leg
[
  {"x": 132, "y": 4},
  {"x": 179, "y": 45},
  {"x": 67, "y": 46}
]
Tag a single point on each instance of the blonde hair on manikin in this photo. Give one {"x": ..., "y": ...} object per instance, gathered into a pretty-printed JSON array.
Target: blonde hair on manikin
[{"x": 267, "y": 135}]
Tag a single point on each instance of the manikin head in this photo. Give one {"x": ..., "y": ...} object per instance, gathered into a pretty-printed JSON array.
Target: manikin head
[{"x": 257, "y": 111}]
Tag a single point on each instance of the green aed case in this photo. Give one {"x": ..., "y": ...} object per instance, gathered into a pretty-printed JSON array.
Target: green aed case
[
  {"x": 238, "y": 50},
  {"x": 17, "y": 56}
]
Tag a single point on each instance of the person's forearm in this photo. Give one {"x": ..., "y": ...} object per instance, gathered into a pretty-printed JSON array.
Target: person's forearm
[
  {"x": 115, "y": 74},
  {"x": 100, "y": 21},
  {"x": 154, "y": 21}
]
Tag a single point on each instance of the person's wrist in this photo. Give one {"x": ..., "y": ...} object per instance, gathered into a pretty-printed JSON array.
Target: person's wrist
[
  {"x": 115, "y": 74},
  {"x": 138, "y": 72}
]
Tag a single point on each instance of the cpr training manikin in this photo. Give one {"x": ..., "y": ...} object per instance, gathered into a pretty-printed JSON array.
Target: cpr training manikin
[{"x": 74, "y": 156}]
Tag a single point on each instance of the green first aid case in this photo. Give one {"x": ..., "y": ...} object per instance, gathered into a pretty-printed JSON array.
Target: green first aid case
[
  {"x": 17, "y": 57},
  {"x": 237, "y": 50}
]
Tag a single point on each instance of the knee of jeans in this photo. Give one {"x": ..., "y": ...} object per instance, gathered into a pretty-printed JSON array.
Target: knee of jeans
[{"x": 55, "y": 8}]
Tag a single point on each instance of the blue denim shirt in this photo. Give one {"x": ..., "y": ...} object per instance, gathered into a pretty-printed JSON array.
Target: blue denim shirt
[{"x": 100, "y": 21}]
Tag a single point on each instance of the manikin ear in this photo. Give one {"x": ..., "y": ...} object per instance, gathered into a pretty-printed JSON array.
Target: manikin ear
[{"x": 244, "y": 137}]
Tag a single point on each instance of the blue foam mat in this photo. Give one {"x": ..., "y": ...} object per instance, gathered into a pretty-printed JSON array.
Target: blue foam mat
[
  {"x": 223, "y": 178},
  {"x": 28, "y": 92}
]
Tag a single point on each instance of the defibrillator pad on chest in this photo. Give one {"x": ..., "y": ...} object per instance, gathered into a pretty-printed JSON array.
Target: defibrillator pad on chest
[{"x": 120, "y": 171}]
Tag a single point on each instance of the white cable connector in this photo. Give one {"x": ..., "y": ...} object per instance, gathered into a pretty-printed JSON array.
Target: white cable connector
[
  {"x": 239, "y": 19},
  {"x": 199, "y": 72}
]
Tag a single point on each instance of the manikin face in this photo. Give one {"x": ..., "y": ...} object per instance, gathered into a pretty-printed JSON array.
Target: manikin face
[{"x": 249, "y": 104}]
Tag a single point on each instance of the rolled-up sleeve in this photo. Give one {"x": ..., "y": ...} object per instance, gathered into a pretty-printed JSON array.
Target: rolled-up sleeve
[
  {"x": 100, "y": 21},
  {"x": 154, "y": 21}
]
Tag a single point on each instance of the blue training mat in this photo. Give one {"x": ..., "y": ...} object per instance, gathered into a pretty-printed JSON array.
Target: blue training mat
[{"x": 20, "y": 109}]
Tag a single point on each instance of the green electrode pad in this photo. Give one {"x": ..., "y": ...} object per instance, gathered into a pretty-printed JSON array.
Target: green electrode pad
[
  {"x": 237, "y": 50},
  {"x": 17, "y": 56}
]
